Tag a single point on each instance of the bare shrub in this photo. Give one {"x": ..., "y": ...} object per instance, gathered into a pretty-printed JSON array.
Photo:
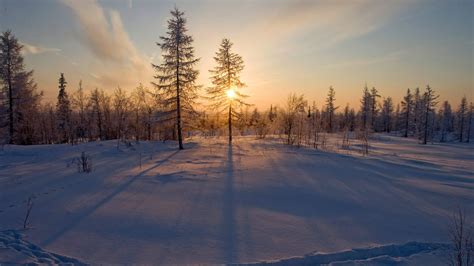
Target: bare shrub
[
  {"x": 461, "y": 236},
  {"x": 84, "y": 163}
]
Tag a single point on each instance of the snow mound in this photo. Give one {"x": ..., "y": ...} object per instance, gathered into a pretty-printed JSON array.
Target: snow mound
[
  {"x": 12, "y": 239},
  {"x": 380, "y": 255}
]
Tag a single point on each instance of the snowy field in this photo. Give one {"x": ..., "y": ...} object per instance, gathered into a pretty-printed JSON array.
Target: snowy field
[{"x": 255, "y": 201}]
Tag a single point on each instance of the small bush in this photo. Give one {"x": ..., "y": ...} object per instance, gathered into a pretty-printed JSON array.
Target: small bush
[{"x": 84, "y": 163}]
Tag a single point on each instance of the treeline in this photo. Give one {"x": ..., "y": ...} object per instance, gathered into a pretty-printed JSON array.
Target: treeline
[{"x": 168, "y": 109}]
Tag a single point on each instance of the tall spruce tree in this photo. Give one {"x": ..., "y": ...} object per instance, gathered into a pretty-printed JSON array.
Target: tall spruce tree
[
  {"x": 429, "y": 102},
  {"x": 330, "y": 108},
  {"x": 63, "y": 111},
  {"x": 462, "y": 117},
  {"x": 374, "y": 94},
  {"x": 387, "y": 114},
  {"x": 177, "y": 75},
  {"x": 365, "y": 107},
  {"x": 18, "y": 90},
  {"x": 225, "y": 78},
  {"x": 407, "y": 110}
]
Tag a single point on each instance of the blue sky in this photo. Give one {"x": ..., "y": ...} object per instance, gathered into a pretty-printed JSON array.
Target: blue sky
[{"x": 288, "y": 46}]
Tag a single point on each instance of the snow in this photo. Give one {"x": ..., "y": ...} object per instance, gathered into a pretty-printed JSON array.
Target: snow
[{"x": 254, "y": 201}]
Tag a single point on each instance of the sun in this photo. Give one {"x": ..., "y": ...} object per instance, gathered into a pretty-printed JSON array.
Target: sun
[{"x": 231, "y": 94}]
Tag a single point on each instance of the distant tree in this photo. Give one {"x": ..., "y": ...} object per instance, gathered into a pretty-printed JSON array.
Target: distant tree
[
  {"x": 446, "y": 120},
  {"x": 407, "y": 110},
  {"x": 429, "y": 102},
  {"x": 418, "y": 112},
  {"x": 387, "y": 114},
  {"x": 461, "y": 114},
  {"x": 79, "y": 103},
  {"x": 373, "y": 106},
  {"x": 294, "y": 107},
  {"x": 63, "y": 110},
  {"x": 365, "y": 107},
  {"x": 121, "y": 104},
  {"x": 330, "y": 108},
  {"x": 225, "y": 78},
  {"x": 177, "y": 75},
  {"x": 18, "y": 92},
  {"x": 469, "y": 122},
  {"x": 97, "y": 114}
]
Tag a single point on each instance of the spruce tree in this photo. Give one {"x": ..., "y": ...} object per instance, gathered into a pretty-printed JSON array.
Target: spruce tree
[
  {"x": 365, "y": 107},
  {"x": 373, "y": 106},
  {"x": 429, "y": 102},
  {"x": 407, "y": 110},
  {"x": 176, "y": 75},
  {"x": 225, "y": 78},
  {"x": 387, "y": 113},
  {"x": 18, "y": 90},
  {"x": 330, "y": 108},
  {"x": 63, "y": 111},
  {"x": 461, "y": 117}
]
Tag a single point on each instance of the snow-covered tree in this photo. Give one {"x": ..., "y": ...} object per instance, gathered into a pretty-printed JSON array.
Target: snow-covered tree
[
  {"x": 176, "y": 75},
  {"x": 429, "y": 102},
  {"x": 407, "y": 112},
  {"x": 121, "y": 103},
  {"x": 63, "y": 111},
  {"x": 79, "y": 105},
  {"x": 330, "y": 108},
  {"x": 418, "y": 112},
  {"x": 446, "y": 120},
  {"x": 373, "y": 106},
  {"x": 20, "y": 99},
  {"x": 365, "y": 108},
  {"x": 461, "y": 117},
  {"x": 225, "y": 78},
  {"x": 387, "y": 114},
  {"x": 469, "y": 122},
  {"x": 294, "y": 108}
]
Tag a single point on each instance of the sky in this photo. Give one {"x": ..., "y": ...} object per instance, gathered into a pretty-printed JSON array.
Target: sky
[{"x": 300, "y": 46}]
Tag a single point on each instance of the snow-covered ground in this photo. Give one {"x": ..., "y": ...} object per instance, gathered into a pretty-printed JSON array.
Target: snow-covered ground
[{"x": 254, "y": 201}]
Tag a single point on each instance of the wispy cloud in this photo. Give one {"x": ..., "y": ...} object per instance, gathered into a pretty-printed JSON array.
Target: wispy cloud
[
  {"x": 394, "y": 56},
  {"x": 107, "y": 38},
  {"x": 35, "y": 49},
  {"x": 328, "y": 22}
]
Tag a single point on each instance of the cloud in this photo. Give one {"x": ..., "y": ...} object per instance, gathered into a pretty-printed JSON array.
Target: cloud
[
  {"x": 108, "y": 40},
  {"x": 34, "y": 49},
  {"x": 368, "y": 61},
  {"x": 327, "y": 22}
]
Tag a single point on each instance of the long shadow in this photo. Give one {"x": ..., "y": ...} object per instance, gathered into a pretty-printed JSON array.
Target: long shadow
[
  {"x": 82, "y": 215},
  {"x": 228, "y": 212}
]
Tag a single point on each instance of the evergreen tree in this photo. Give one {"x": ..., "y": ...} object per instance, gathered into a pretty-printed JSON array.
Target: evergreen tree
[
  {"x": 461, "y": 117},
  {"x": 373, "y": 106},
  {"x": 365, "y": 107},
  {"x": 20, "y": 99},
  {"x": 177, "y": 75},
  {"x": 429, "y": 102},
  {"x": 446, "y": 120},
  {"x": 330, "y": 108},
  {"x": 225, "y": 78},
  {"x": 407, "y": 110},
  {"x": 63, "y": 110},
  {"x": 387, "y": 113},
  {"x": 469, "y": 122},
  {"x": 418, "y": 112}
]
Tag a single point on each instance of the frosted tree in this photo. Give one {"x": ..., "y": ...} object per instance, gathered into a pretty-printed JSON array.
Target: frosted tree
[
  {"x": 429, "y": 102},
  {"x": 63, "y": 111},
  {"x": 446, "y": 120},
  {"x": 365, "y": 107},
  {"x": 330, "y": 108},
  {"x": 373, "y": 106},
  {"x": 418, "y": 112},
  {"x": 18, "y": 89},
  {"x": 407, "y": 111},
  {"x": 469, "y": 122},
  {"x": 294, "y": 108},
  {"x": 225, "y": 77},
  {"x": 97, "y": 114},
  {"x": 121, "y": 103},
  {"x": 79, "y": 104},
  {"x": 387, "y": 114},
  {"x": 461, "y": 117},
  {"x": 176, "y": 75}
]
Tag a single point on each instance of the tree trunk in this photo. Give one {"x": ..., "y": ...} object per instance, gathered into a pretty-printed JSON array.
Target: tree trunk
[{"x": 230, "y": 123}]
